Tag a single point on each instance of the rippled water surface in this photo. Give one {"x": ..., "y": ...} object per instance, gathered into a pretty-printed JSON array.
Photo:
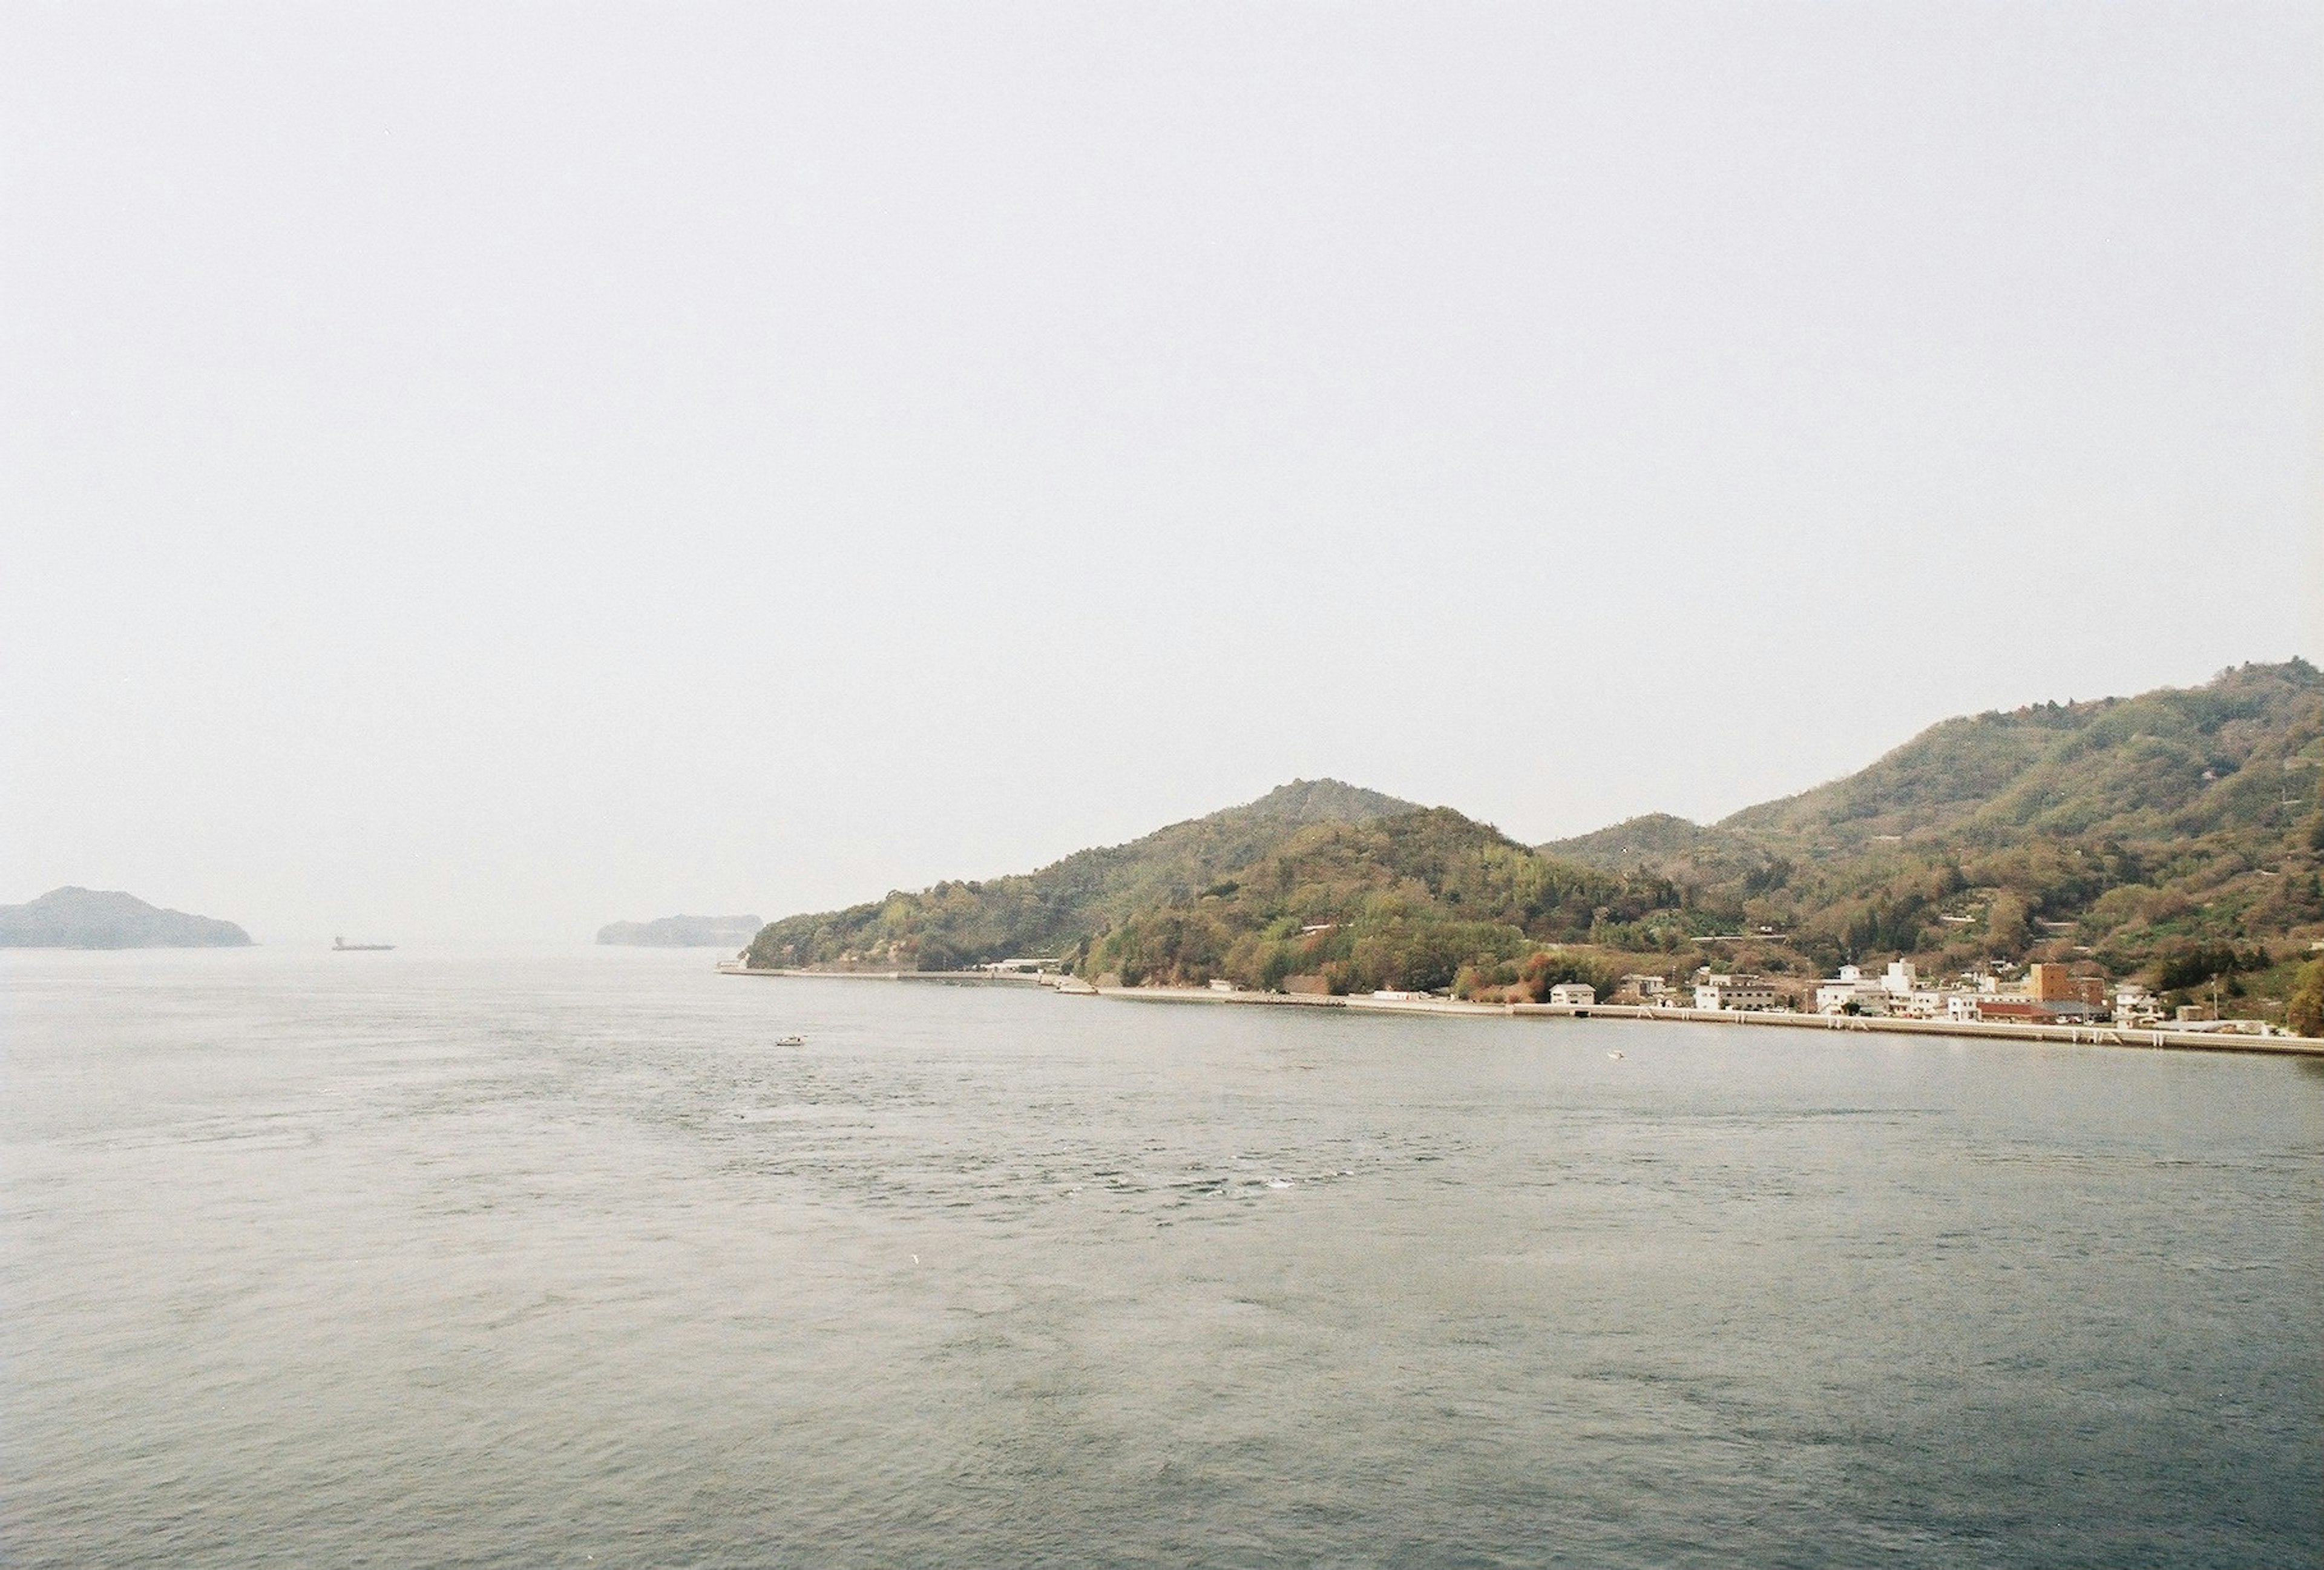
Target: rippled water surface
[{"x": 556, "y": 1258}]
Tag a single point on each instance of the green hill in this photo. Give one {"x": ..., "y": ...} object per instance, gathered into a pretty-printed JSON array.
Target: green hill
[
  {"x": 1670, "y": 846},
  {"x": 2176, "y": 834},
  {"x": 1407, "y": 901},
  {"x": 2119, "y": 833},
  {"x": 1056, "y": 910},
  {"x": 2170, "y": 763}
]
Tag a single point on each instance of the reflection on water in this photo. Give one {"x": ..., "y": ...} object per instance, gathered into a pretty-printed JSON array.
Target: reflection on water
[{"x": 317, "y": 1259}]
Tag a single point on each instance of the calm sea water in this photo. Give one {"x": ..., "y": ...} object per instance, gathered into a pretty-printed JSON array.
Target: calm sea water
[{"x": 559, "y": 1258}]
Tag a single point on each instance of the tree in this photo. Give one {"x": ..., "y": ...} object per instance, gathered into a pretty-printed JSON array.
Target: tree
[
  {"x": 2007, "y": 927},
  {"x": 2184, "y": 968},
  {"x": 2306, "y": 1012},
  {"x": 1543, "y": 971}
]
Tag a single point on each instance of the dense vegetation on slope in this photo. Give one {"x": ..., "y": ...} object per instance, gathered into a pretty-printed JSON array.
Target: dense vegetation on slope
[
  {"x": 2176, "y": 835},
  {"x": 1407, "y": 901},
  {"x": 104, "y": 918},
  {"x": 1055, "y": 910},
  {"x": 2130, "y": 834},
  {"x": 1690, "y": 852},
  {"x": 2170, "y": 763}
]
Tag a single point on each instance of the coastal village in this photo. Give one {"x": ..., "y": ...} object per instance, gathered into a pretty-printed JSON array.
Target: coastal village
[
  {"x": 2149, "y": 866},
  {"x": 2038, "y": 994},
  {"x": 2041, "y": 1000},
  {"x": 1998, "y": 993}
]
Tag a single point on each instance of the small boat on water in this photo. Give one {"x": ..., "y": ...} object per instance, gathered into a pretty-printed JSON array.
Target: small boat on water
[
  {"x": 791, "y": 1041},
  {"x": 341, "y": 945}
]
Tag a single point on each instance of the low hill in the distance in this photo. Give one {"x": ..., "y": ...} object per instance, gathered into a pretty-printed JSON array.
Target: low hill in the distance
[
  {"x": 682, "y": 932},
  {"x": 2176, "y": 835},
  {"x": 100, "y": 919},
  {"x": 1660, "y": 842}
]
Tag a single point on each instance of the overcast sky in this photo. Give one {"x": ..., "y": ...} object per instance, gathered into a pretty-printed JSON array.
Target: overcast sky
[{"x": 482, "y": 471}]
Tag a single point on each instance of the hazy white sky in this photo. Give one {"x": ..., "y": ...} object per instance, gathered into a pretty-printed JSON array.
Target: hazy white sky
[{"x": 487, "y": 470}]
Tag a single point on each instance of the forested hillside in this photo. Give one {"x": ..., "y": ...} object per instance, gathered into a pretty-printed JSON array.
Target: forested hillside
[
  {"x": 1690, "y": 853},
  {"x": 1407, "y": 902},
  {"x": 2175, "y": 835},
  {"x": 2124, "y": 833},
  {"x": 1056, "y": 910}
]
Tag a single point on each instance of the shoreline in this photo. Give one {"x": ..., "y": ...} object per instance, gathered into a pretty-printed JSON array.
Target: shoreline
[
  {"x": 950, "y": 978},
  {"x": 2166, "y": 1040},
  {"x": 1970, "y": 1029}
]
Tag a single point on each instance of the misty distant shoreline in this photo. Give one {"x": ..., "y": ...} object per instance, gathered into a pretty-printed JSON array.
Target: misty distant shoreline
[
  {"x": 74, "y": 917},
  {"x": 682, "y": 932}
]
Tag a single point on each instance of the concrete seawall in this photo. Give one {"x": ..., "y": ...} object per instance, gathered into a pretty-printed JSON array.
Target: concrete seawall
[
  {"x": 1994, "y": 1029},
  {"x": 1986, "y": 1031}
]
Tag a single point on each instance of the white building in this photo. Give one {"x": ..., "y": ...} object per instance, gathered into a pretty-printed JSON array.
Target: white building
[
  {"x": 1740, "y": 993},
  {"x": 1927, "y": 1003},
  {"x": 1853, "y": 991},
  {"x": 1573, "y": 994}
]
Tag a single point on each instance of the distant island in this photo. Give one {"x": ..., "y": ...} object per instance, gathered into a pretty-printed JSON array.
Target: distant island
[
  {"x": 683, "y": 932},
  {"x": 2131, "y": 858},
  {"x": 102, "y": 918}
]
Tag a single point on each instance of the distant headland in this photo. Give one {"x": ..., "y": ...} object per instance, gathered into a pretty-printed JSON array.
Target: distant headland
[
  {"x": 108, "y": 918},
  {"x": 683, "y": 932}
]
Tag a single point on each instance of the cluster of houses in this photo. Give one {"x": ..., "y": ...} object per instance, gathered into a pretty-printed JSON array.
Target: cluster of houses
[
  {"x": 1736, "y": 994},
  {"x": 2046, "y": 994},
  {"x": 2049, "y": 994}
]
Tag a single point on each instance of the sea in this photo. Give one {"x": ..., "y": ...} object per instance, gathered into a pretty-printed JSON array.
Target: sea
[{"x": 564, "y": 1256}]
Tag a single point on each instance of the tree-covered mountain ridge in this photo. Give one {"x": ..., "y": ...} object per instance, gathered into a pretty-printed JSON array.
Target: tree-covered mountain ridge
[
  {"x": 2114, "y": 834},
  {"x": 1056, "y": 910}
]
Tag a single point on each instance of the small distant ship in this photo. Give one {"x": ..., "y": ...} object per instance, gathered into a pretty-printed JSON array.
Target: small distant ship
[{"x": 341, "y": 945}]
